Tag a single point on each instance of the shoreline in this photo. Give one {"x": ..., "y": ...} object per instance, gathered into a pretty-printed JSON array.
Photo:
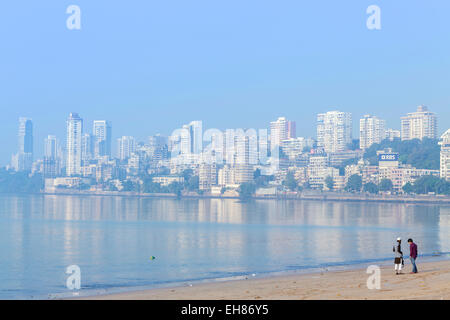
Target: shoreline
[
  {"x": 309, "y": 196},
  {"x": 432, "y": 282}
]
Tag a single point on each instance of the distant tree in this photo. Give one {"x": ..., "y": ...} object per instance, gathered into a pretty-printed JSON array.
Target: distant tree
[
  {"x": 246, "y": 190},
  {"x": 345, "y": 163},
  {"x": 408, "y": 188},
  {"x": 329, "y": 182},
  {"x": 151, "y": 187},
  {"x": 290, "y": 181},
  {"x": 386, "y": 185},
  {"x": 371, "y": 187},
  {"x": 261, "y": 180},
  {"x": 176, "y": 188},
  {"x": 129, "y": 185},
  {"x": 187, "y": 173},
  {"x": 354, "y": 183},
  {"x": 193, "y": 183},
  {"x": 354, "y": 145},
  {"x": 427, "y": 184},
  {"x": 20, "y": 182},
  {"x": 306, "y": 149}
]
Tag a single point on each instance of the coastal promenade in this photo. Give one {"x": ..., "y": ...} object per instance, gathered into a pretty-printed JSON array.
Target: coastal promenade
[{"x": 306, "y": 195}]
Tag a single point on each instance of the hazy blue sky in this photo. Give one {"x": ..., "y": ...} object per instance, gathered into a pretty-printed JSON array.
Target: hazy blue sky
[{"x": 150, "y": 66}]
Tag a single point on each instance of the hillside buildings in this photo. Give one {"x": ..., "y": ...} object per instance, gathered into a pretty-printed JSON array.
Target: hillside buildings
[
  {"x": 371, "y": 130},
  {"x": 420, "y": 124},
  {"x": 334, "y": 131},
  {"x": 445, "y": 156}
]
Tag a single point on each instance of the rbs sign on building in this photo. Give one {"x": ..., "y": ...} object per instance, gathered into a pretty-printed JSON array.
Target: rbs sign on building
[
  {"x": 388, "y": 157},
  {"x": 388, "y": 160}
]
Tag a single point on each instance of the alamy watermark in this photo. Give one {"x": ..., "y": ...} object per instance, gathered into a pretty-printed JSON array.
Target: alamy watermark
[
  {"x": 73, "y": 22},
  {"x": 73, "y": 282},
  {"x": 374, "y": 20},
  {"x": 374, "y": 280}
]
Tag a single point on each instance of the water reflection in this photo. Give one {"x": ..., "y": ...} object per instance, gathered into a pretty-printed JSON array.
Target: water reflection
[{"x": 112, "y": 238}]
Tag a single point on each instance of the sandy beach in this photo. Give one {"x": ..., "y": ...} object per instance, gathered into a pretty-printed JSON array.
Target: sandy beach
[{"x": 432, "y": 282}]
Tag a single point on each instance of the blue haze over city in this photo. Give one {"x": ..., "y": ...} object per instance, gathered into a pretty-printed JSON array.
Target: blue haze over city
[{"x": 150, "y": 66}]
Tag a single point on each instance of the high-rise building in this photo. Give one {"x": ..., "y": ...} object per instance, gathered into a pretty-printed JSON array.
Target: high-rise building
[
  {"x": 207, "y": 176},
  {"x": 87, "y": 147},
  {"x": 445, "y": 155},
  {"x": 50, "y": 147},
  {"x": 278, "y": 132},
  {"x": 23, "y": 159},
  {"x": 392, "y": 134},
  {"x": 293, "y": 147},
  {"x": 334, "y": 131},
  {"x": 25, "y": 135},
  {"x": 74, "y": 139},
  {"x": 371, "y": 130},
  {"x": 51, "y": 162},
  {"x": 126, "y": 145},
  {"x": 196, "y": 137},
  {"x": 102, "y": 132},
  {"x": 188, "y": 139},
  {"x": 291, "y": 130},
  {"x": 420, "y": 124}
]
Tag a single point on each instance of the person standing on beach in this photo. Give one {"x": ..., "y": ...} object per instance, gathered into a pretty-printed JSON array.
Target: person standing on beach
[
  {"x": 398, "y": 260},
  {"x": 413, "y": 254}
]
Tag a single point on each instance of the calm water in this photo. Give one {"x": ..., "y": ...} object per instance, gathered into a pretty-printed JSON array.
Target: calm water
[{"x": 113, "y": 238}]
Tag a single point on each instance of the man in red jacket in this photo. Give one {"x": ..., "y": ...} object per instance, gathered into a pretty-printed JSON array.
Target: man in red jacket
[{"x": 413, "y": 254}]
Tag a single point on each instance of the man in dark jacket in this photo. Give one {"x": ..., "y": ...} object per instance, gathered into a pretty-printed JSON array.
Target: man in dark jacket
[{"x": 413, "y": 254}]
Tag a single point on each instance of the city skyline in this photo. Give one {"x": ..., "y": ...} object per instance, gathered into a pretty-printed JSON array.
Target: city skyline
[{"x": 101, "y": 138}]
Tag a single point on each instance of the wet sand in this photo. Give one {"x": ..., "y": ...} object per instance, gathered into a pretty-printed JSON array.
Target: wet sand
[{"x": 432, "y": 282}]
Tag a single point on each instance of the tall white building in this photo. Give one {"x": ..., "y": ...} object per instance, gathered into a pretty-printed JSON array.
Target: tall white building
[
  {"x": 51, "y": 147},
  {"x": 445, "y": 155},
  {"x": 126, "y": 145},
  {"x": 420, "y": 124},
  {"x": 52, "y": 157},
  {"x": 207, "y": 176},
  {"x": 23, "y": 159},
  {"x": 102, "y": 132},
  {"x": 87, "y": 147},
  {"x": 196, "y": 137},
  {"x": 371, "y": 130},
  {"x": 278, "y": 132},
  {"x": 334, "y": 130},
  {"x": 74, "y": 139},
  {"x": 188, "y": 139}
]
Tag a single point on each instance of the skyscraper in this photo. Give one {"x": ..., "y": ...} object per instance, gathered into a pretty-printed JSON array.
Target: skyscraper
[
  {"x": 196, "y": 136},
  {"x": 291, "y": 130},
  {"x": 334, "y": 130},
  {"x": 51, "y": 161},
  {"x": 23, "y": 159},
  {"x": 278, "y": 132},
  {"x": 74, "y": 139},
  {"x": 50, "y": 147},
  {"x": 25, "y": 135},
  {"x": 420, "y": 124},
  {"x": 102, "y": 132},
  {"x": 125, "y": 147},
  {"x": 87, "y": 147},
  {"x": 371, "y": 130}
]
